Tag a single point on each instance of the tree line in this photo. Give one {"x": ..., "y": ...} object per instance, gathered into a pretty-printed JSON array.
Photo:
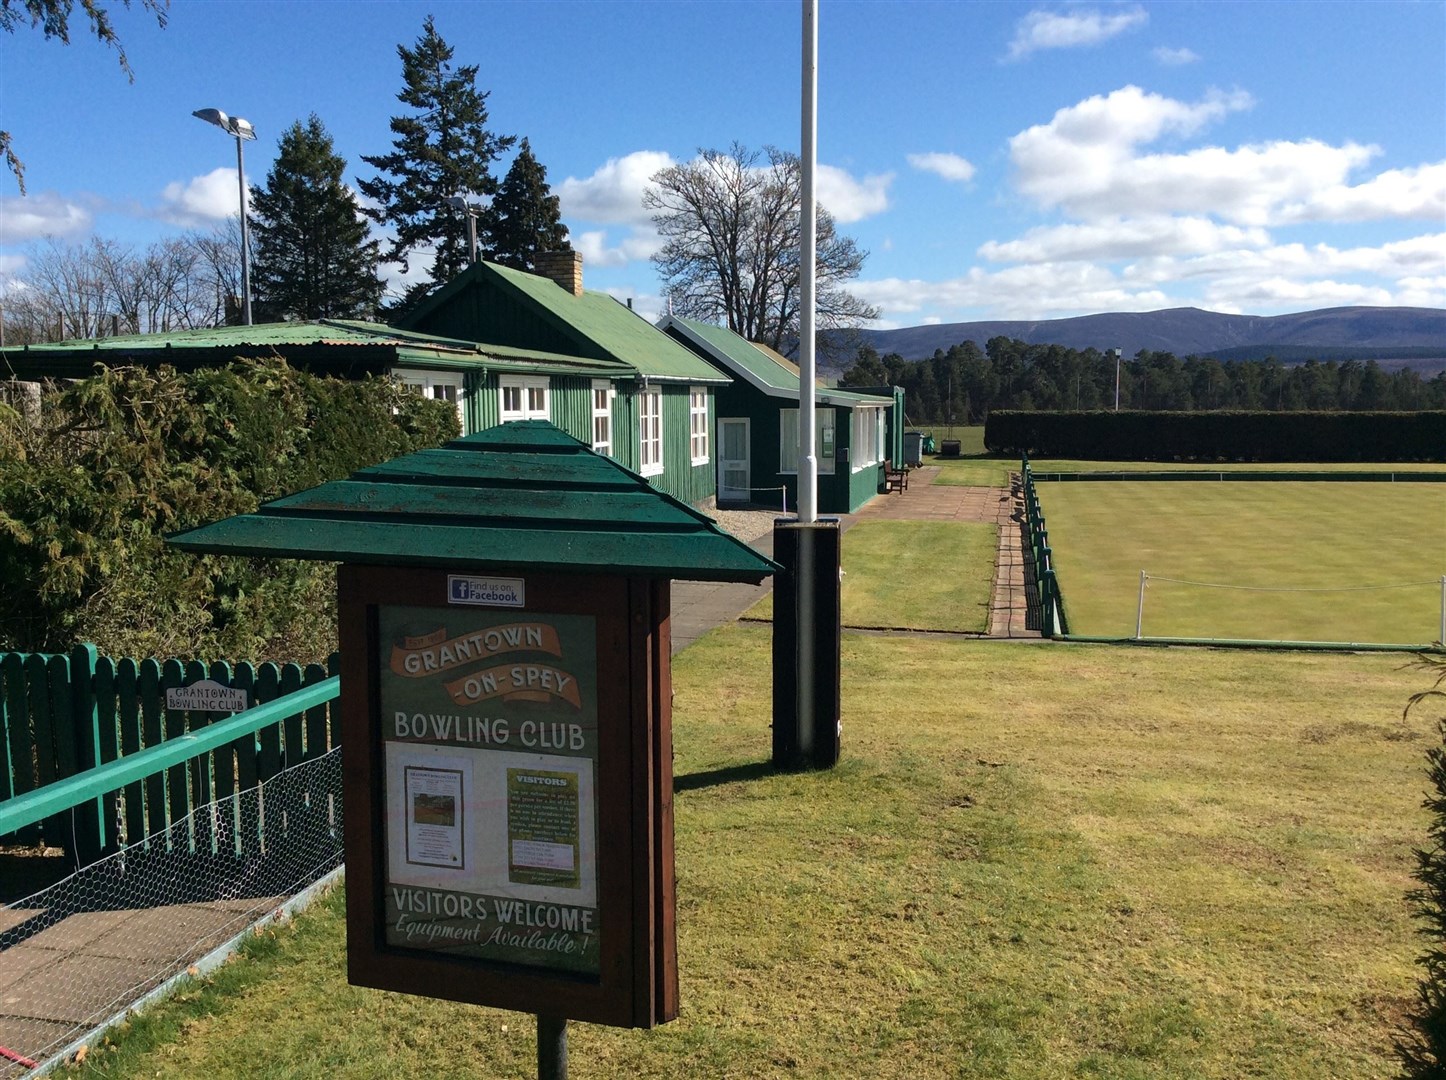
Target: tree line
[{"x": 964, "y": 383}]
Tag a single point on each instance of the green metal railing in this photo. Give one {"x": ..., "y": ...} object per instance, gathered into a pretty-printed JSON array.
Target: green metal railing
[
  {"x": 91, "y": 758},
  {"x": 1053, "y": 621}
]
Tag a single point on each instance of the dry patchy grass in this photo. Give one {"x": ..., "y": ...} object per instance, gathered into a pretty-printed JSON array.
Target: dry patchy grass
[{"x": 1034, "y": 861}]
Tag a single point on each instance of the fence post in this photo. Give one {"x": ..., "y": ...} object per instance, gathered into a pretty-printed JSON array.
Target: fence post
[
  {"x": 1140, "y": 607},
  {"x": 89, "y": 818}
]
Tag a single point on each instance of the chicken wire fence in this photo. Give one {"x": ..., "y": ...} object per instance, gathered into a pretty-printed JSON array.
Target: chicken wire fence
[{"x": 78, "y": 952}]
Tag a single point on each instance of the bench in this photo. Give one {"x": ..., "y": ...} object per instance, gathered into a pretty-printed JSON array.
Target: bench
[{"x": 895, "y": 479}]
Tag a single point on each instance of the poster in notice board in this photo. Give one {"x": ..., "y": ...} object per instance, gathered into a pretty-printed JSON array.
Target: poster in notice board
[{"x": 490, "y": 748}]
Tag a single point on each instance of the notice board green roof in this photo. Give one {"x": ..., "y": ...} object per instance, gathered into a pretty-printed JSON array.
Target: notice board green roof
[{"x": 523, "y": 495}]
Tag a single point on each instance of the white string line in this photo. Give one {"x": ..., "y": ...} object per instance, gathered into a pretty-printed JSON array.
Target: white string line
[{"x": 1265, "y": 588}]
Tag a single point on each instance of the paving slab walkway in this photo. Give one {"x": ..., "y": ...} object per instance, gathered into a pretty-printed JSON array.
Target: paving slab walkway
[{"x": 74, "y": 970}]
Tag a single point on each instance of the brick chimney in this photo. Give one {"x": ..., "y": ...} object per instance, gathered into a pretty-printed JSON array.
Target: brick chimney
[{"x": 563, "y": 267}]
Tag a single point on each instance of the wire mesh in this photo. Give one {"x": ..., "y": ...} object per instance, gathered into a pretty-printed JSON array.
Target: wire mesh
[{"x": 86, "y": 948}]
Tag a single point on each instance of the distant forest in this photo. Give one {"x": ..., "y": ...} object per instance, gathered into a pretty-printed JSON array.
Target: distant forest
[{"x": 963, "y": 384}]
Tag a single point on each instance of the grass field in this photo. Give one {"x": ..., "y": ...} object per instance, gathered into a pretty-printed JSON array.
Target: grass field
[
  {"x": 914, "y": 575},
  {"x": 1308, "y": 535},
  {"x": 1032, "y": 862}
]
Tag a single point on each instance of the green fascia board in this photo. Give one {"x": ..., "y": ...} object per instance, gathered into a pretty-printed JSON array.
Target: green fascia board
[
  {"x": 518, "y": 495},
  {"x": 755, "y": 367},
  {"x": 471, "y": 547},
  {"x": 594, "y": 319}
]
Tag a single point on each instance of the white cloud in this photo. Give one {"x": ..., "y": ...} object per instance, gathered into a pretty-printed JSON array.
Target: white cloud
[
  {"x": 10, "y": 265},
  {"x": 949, "y": 166},
  {"x": 1022, "y": 292},
  {"x": 614, "y": 193},
  {"x": 1265, "y": 279},
  {"x": 1087, "y": 162},
  {"x": 640, "y": 244},
  {"x": 1413, "y": 193},
  {"x": 1174, "y": 57},
  {"x": 1071, "y": 29},
  {"x": 1124, "y": 238},
  {"x": 29, "y": 217},
  {"x": 648, "y": 306},
  {"x": 850, "y": 200},
  {"x": 201, "y": 200}
]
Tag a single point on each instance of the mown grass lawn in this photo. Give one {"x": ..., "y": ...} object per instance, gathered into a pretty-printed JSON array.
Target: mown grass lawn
[
  {"x": 1277, "y": 535},
  {"x": 915, "y": 575},
  {"x": 1042, "y": 861}
]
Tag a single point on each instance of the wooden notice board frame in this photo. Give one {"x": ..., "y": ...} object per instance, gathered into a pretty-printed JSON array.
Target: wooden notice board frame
[{"x": 636, "y": 984}]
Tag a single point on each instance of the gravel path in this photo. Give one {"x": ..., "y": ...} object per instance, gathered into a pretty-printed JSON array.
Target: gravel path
[{"x": 746, "y": 525}]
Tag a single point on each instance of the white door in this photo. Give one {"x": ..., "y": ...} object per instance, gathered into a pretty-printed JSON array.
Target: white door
[{"x": 734, "y": 477}]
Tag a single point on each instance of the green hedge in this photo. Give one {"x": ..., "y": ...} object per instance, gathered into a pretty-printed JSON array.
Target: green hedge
[
  {"x": 1220, "y": 436},
  {"x": 118, "y": 461}
]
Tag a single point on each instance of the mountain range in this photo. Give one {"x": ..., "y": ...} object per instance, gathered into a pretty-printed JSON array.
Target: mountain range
[{"x": 1396, "y": 336}]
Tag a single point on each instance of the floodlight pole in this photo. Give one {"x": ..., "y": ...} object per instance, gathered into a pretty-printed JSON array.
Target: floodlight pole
[
  {"x": 241, "y": 129},
  {"x": 1117, "y": 379},
  {"x": 245, "y": 239},
  {"x": 472, "y": 211}
]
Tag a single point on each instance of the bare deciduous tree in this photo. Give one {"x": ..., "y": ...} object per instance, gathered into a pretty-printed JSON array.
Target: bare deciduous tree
[
  {"x": 101, "y": 288},
  {"x": 730, "y": 227}
]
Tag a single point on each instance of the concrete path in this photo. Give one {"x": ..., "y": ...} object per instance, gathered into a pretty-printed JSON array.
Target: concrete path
[
  {"x": 700, "y": 606},
  {"x": 73, "y": 969}
]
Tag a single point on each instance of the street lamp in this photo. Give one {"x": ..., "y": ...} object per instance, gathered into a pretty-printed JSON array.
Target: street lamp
[
  {"x": 242, "y": 129},
  {"x": 473, "y": 212}
]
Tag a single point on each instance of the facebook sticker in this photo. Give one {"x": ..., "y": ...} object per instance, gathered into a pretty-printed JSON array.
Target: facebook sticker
[{"x": 486, "y": 592}]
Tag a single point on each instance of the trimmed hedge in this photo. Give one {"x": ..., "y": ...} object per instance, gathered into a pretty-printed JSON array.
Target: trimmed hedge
[
  {"x": 1219, "y": 436},
  {"x": 118, "y": 461}
]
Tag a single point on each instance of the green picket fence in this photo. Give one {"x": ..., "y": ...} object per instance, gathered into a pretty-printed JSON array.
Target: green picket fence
[{"x": 61, "y": 716}]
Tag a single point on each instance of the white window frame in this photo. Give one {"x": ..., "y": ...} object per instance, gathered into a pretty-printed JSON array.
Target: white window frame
[
  {"x": 650, "y": 431},
  {"x": 867, "y": 439},
  {"x": 602, "y": 414},
  {"x": 698, "y": 424},
  {"x": 434, "y": 385},
  {"x": 526, "y": 385},
  {"x": 825, "y": 449}
]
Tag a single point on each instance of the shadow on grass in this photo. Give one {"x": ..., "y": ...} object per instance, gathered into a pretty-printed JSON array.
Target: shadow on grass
[{"x": 733, "y": 774}]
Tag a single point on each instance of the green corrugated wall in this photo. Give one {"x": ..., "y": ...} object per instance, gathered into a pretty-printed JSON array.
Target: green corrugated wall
[{"x": 570, "y": 404}]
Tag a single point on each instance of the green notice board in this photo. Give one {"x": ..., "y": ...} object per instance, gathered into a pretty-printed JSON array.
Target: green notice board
[{"x": 490, "y": 750}]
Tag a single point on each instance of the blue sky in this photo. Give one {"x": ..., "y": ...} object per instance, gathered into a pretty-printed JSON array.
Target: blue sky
[{"x": 997, "y": 160}]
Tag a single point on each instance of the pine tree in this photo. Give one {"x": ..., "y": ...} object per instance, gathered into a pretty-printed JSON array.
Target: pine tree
[
  {"x": 313, "y": 257},
  {"x": 527, "y": 219},
  {"x": 441, "y": 150}
]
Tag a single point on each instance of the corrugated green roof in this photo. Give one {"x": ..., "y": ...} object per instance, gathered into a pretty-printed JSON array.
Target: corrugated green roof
[
  {"x": 593, "y": 317},
  {"x": 523, "y": 495},
  {"x": 276, "y": 334},
  {"x": 400, "y": 347},
  {"x": 756, "y": 366}
]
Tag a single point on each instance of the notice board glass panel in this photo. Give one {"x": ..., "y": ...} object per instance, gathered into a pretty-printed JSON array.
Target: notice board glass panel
[{"x": 490, "y": 765}]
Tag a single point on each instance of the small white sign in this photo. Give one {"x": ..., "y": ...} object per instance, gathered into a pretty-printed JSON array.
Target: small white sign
[
  {"x": 206, "y": 695},
  {"x": 486, "y": 592}
]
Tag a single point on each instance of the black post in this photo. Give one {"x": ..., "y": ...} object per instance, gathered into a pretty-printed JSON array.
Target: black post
[
  {"x": 551, "y": 1048},
  {"x": 807, "y": 742}
]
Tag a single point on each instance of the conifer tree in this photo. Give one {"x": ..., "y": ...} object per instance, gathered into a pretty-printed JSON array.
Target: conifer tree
[
  {"x": 526, "y": 216},
  {"x": 441, "y": 149},
  {"x": 313, "y": 257}
]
